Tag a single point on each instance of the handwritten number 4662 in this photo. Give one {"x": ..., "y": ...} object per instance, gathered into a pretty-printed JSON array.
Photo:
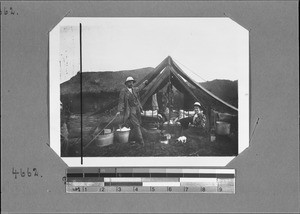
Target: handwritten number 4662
[
  {"x": 6, "y": 11},
  {"x": 25, "y": 173}
]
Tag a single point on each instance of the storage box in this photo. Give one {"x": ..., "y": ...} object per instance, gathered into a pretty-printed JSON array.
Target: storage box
[{"x": 222, "y": 128}]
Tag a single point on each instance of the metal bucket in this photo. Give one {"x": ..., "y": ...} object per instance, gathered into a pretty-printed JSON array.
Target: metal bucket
[
  {"x": 212, "y": 138},
  {"x": 122, "y": 136},
  {"x": 105, "y": 140},
  {"x": 222, "y": 128}
]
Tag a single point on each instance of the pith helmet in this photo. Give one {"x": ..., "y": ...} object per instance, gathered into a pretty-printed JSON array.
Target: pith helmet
[
  {"x": 197, "y": 104},
  {"x": 130, "y": 79}
]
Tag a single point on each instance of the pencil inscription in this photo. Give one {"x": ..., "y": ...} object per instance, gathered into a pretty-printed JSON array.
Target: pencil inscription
[{"x": 8, "y": 11}]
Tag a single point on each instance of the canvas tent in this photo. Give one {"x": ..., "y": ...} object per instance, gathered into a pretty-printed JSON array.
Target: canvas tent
[{"x": 168, "y": 72}]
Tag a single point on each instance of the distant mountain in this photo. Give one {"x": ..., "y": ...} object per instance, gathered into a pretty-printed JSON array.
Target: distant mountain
[
  {"x": 227, "y": 90},
  {"x": 98, "y": 82},
  {"x": 112, "y": 82}
]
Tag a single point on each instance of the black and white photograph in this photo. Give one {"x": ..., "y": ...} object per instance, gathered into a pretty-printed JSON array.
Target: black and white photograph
[
  {"x": 149, "y": 106},
  {"x": 153, "y": 91}
]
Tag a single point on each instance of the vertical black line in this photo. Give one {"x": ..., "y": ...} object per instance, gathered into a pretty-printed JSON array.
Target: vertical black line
[
  {"x": 81, "y": 122},
  {"x": 1, "y": 61}
]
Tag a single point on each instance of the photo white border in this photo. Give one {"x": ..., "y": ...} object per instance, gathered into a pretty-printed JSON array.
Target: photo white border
[{"x": 204, "y": 161}]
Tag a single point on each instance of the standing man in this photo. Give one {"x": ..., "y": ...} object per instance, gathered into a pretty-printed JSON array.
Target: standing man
[{"x": 131, "y": 108}]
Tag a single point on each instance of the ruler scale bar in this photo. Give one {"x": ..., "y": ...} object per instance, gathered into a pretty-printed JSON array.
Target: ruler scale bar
[
  {"x": 148, "y": 189},
  {"x": 149, "y": 180}
]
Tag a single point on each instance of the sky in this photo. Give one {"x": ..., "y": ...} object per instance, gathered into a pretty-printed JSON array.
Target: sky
[{"x": 205, "y": 48}]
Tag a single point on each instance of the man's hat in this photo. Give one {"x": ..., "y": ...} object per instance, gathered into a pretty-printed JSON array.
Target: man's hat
[
  {"x": 130, "y": 79},
  {"x": 197, "y": 104}
]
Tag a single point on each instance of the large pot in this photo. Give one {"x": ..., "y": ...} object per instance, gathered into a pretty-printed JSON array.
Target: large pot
[
  {"x": 105, "y": 140},
  {"x": 122, "y": 136}
]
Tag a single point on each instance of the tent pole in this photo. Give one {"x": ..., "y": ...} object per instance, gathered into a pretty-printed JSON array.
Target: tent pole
[
  {"x": 208, "y": 114},
  {"x": 169, "y": 97}
]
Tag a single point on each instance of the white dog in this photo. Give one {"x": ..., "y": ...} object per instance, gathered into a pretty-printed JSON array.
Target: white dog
[{"x": 181, "y": 139}]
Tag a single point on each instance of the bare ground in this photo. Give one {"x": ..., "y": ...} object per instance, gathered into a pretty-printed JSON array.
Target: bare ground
[{"x": 196, "y": 145}]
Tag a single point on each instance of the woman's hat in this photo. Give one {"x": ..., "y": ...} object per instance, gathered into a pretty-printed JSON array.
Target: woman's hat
[{"x": 197, "y": 104}]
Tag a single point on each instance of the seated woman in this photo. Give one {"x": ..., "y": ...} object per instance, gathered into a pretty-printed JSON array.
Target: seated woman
[{"x": 197, "y": 120}]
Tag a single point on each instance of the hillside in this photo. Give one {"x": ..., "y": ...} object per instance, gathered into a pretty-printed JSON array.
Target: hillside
[
  {"x": 97, "y": 82},
  {"x": 225, "y": 89},
  {"x": 112, "y": 82}
]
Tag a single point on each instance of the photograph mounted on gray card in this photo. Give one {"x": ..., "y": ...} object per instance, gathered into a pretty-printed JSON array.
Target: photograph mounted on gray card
[{"x": 149, "y": 91}]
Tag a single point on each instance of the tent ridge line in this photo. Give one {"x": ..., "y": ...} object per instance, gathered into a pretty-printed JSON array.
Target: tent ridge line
[{"x": 186, "y": 88}]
